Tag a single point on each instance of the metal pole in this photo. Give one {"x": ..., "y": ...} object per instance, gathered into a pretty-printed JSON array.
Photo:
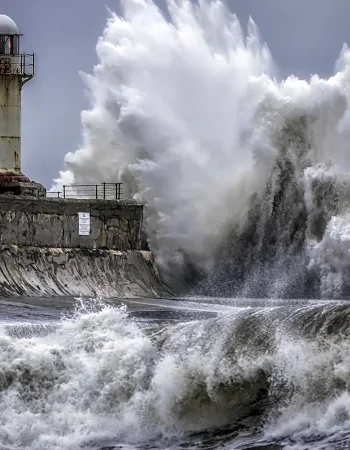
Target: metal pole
[
  {"x": 64, "y": 191},
  {"x": 104, "y": 190},
  {"x": 96, "y": 186}
]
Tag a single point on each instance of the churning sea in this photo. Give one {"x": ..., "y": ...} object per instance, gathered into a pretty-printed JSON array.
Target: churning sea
[{"x": 193, "y": 373}]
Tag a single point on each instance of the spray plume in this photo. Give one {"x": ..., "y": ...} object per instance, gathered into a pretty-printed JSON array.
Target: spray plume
[{"x": 187, "y": 112}]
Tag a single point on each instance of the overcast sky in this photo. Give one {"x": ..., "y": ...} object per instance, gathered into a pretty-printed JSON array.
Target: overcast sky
[{"x": 304, "y": 36}]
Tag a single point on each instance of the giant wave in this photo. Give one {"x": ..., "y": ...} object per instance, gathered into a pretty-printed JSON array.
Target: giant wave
[{"x": 244, "y": 176}]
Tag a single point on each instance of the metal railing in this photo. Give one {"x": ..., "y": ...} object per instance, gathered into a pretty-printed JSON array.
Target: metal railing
[
  {"x": 103, "y": 191},
  {"x": 23, "y": 64}
]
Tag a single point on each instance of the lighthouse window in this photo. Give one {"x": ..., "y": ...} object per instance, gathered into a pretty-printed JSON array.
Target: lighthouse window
[
  {"x": 15, "y": 45},
  {"x": 3, "y": 40},
  {"x": 9, "y": 45}
]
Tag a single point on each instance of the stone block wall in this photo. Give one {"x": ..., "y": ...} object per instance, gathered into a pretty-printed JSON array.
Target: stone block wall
[{"x": 53, "y": 222}]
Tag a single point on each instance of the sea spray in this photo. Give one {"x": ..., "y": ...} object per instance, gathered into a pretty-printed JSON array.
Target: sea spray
[
  {"x": 99, "y": 380},
  {"x": 187, "y": 112}
]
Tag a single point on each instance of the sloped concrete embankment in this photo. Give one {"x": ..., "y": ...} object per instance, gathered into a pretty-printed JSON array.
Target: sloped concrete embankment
[{"x": 34, "y": 271}]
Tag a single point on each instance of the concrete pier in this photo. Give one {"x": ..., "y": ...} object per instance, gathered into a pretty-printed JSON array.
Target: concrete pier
[
  {"x": 54, "y": 222},
  {"x": 48, "y": 272},
  {"x": 42, "y": 252}
]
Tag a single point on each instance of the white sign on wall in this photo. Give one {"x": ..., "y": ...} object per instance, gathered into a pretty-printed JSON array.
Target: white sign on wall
[{"x": 84, "y": 224}]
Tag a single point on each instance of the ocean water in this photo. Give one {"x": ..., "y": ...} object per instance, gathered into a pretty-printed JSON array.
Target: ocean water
[
  {"x": 244, "y": 178},
  {"x": 186, "y": 373}
]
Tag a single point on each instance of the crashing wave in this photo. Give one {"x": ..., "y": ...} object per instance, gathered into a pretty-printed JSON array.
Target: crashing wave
[
  {"x": 243, "y": 175},
  {"x": 97, "y": 377}
]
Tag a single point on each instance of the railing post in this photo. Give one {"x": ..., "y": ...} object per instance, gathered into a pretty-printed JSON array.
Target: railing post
[
  {"x": 104, "y": 190},
  {"x": 96, "y": 186},
  {"x": 64, "y": 191}
]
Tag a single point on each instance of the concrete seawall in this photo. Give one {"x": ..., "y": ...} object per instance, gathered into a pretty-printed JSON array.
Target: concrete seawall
[
  {"x": 53, "y": 222},
  {"x": 33, "y": 271},
  {"x": 44, "y": 253}
]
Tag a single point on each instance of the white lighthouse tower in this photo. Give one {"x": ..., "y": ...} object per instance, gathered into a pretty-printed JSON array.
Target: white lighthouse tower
[{"x": 16, "y": 68}]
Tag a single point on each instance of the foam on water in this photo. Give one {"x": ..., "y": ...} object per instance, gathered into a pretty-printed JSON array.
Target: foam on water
[
  {"x": 245, "y": 180},
  {"x": 99, "y": 380}
]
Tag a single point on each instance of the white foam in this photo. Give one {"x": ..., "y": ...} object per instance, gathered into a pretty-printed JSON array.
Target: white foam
[
  {"x": 184, "y": 111},
  {"x": 99, "y": 378}
]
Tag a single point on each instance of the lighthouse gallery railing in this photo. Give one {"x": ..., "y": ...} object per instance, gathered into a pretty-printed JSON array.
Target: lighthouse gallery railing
[{"x": 22, "y": 64}]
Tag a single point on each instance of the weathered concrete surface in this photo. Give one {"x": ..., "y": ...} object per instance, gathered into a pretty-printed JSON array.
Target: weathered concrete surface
[
  {"x": 53, "y": 222},
  {"x": 43, "y": 272},
  {"x": 11, "y": 184}
]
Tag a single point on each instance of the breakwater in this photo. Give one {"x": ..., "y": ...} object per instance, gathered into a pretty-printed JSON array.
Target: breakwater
[
  {"x": 39, "y": 271},
  {"x": 43, "y": 251},
  {"x": 54, "y": 222}
]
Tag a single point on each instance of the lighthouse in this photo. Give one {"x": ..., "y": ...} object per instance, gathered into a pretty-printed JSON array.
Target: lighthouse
[{"x": 16, "y": 69}]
